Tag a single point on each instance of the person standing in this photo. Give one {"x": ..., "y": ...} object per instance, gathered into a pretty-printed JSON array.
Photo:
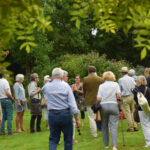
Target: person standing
[
  {"x": 35, "y": 96},
  {"x": 61, "y": 105},
  {"x": 126, "y": 84},
  {"x": 6, "y": 100},
  {"x": 20, "y": 101},
  {"x": 90, "y": 89},
  {"x": 108, "y": 93},
  {"x": 77, "y": 89},
  {"x": 147, "y": 75}
]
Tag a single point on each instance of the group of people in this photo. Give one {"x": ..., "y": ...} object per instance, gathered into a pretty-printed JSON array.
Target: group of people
[{"x": 62, "y": 104}]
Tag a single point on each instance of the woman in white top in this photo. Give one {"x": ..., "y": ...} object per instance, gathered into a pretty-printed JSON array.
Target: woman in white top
[{"x": 108, "y": 93}]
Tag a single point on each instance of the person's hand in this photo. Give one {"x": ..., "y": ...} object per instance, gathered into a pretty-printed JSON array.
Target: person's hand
[
  {"x": 75, "y": 88},
  {"x": 38, "y": 90},
  {"x": 78, "y": 123},
  {"x": 18, "y": 102},
  {"x": 13, "y": 100}
]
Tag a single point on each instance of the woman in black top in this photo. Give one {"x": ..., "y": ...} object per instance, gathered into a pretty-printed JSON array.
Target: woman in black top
[{"x": 144, "y": 117}]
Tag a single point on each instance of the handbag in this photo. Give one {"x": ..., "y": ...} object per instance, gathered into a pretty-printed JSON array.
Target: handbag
[
  {"x": 136, "y": 114},
  {"x": 98, "y": 116},
  {"x": 95, "y": 107},
  {"x": 143, "y": 101}
]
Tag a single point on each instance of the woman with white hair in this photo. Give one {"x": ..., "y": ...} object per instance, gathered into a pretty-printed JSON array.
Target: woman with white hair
[
  {"x": 108, "y": 93},
  {"x": 20, "y": 101},
  {"x": 44, "y": 103},
  {"x": 144, "y": 117}
]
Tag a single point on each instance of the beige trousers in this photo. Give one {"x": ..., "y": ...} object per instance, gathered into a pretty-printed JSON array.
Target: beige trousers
[
  {"x": 128, "y": 104},
  {"x": 91, "y": 116}
]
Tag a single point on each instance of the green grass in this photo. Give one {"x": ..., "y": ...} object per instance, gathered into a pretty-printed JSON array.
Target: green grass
[{"x": 39, "y": 141}]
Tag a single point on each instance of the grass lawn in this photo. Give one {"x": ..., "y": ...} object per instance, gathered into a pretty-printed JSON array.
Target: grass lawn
[{"x": 39, "y": 141}]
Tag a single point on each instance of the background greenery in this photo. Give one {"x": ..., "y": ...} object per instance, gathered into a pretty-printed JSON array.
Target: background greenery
[{"x": 39, "y": 141}]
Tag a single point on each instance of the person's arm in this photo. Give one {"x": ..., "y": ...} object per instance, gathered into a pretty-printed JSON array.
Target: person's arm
[
  {"x": 99, "y": 96},
  {"x": 72, "y": 87},
  {"x": 80, "y": 91},
  {"x": 16, "y": 92},
  {"x": 9, "y": 95},
  {"x": 33, "y": 90},
  {"x": 118, "y": 92},
  {"x": 73, "y": 106}
]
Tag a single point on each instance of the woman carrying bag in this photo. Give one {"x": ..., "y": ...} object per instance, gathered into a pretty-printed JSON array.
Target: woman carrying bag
[{"x": 144, "y": 116}]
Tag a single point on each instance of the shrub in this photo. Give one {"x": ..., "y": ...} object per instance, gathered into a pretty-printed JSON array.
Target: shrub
[{"x": 78, "y": 64}]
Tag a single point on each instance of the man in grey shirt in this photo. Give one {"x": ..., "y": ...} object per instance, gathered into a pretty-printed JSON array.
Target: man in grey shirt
[{"x": 126, "y": 84}]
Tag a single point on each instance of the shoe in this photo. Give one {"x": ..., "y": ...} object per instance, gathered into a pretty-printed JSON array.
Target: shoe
[
  {"x": 135, "y": 129},
  {"x": 106, "y": 147},
  {"x": 18, "y": 130},
  {"x": 75, "y": 141},
  {"x": 130, "y": 130},
  {"x": 39, "y": 130},
  {"x": 10, "y": 133},
  {"x": 114, "y": 148},
  {"x": 2, "y": 133},
  {"x": 22, "y": 129},
  {"x": 146, "y": 146},
  {"x": 32, "y": 131}
]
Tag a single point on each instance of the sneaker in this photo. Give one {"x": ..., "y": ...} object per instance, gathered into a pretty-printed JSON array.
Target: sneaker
[
  {"x": 130, "y": 130},
  {"x": 106, "y": 147},
  {"x": 146, "y": 146},
  {"x": 114, "y": 148},
  {"x": 2, "y": 133},
  {"x": 135, "y": 129},
  {"x": 10, "y": 133}
]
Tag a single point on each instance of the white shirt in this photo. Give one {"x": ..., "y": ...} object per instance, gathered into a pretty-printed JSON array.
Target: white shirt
[
  {"x": 107, "y": 91},
  {"x": 126, "y": 84},
  {"x": 3, "y": 86}
]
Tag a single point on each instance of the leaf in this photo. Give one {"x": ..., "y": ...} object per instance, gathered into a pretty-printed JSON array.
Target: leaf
[
  {"x": 28, "y": 49},
  {"x": 76, "y": 6},
  {"x": 143, "y": 53},
  {"x": 78, "y": 24}
]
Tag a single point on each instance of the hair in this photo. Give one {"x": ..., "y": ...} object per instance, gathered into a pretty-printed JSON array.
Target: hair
[
  {"x": 109, "y": 76},
  {"x": 142, "y": 80},
  {"x": 57, "y": 73},
  {"x": 147, "y": 70},
  {"x": 91, "y": 69},
  {"x": 78, "y": 76},
  {"x": 19, "y": 77},
  {"x": 46, "y": 78},
  {"x": 33, "y": 76},
  {"x": 131, "y": 72},
  {"x": 1, "y": 75},
  {"x": 65, "y": 73}
]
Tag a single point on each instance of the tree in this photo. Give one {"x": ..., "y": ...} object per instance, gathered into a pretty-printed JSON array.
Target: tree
[{"x": 112, "y": 15}]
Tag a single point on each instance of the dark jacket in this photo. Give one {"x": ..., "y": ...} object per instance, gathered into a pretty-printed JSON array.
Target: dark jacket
[
  {"x": 141, "y": 89},
  {"x": 90, "y": 87}
]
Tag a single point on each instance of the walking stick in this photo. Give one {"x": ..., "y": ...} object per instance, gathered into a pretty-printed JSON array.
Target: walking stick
[{"x": 120, "y": 111}]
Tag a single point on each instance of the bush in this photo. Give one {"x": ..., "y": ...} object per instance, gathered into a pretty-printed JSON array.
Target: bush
[{"x": 78, "y": 64}]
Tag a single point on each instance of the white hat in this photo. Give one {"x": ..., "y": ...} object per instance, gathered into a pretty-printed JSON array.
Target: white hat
[
  {"x": 124, "y": 69},
  {"x": 47, "y": 78},
  {"x": 131, "y": 72}
]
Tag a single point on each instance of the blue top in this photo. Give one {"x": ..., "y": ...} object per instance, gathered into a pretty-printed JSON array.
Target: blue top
[
  {"x": 19, "y": 91},
  {"x": 148, "y": 81},
  {"x": 58, "y": 95}
]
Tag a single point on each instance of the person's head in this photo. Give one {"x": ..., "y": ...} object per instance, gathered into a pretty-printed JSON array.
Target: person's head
[
  {"x": 57, "y": 73},
  {"x": 1, "y": 75},
  {"x": 20, "y": 78},
  {"x": 47, "y": 78},
  {"x": 65, "y": 76},
  {"x": 109, "y": 76},
  {"x": 147, "y": 72},
  {"x": 34, "y": 77},
  {"x": 91, "y": 69},
  {"x": 141, "y": 80},
  {"x": 124, "y": 71},
  {"x": 77, "y": 79},
  {"x": 131, "y": 72}
]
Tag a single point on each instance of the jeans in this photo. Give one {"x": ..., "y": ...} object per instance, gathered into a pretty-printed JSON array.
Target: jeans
[
  {"x": 60, "y": 121},
  {"x": 7, "y": 110}
]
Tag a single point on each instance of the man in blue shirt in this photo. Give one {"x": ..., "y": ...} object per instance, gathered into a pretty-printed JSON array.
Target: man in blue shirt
[{"x": 61, "y": 105}]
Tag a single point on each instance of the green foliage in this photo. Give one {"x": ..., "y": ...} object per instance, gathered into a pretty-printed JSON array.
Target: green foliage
[
  {"x": 112, "y": 15},
  {"x": 78, "y": 64}
]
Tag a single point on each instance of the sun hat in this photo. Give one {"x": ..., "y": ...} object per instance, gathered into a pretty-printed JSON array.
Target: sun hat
[{"x": 124, "y": 69}]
